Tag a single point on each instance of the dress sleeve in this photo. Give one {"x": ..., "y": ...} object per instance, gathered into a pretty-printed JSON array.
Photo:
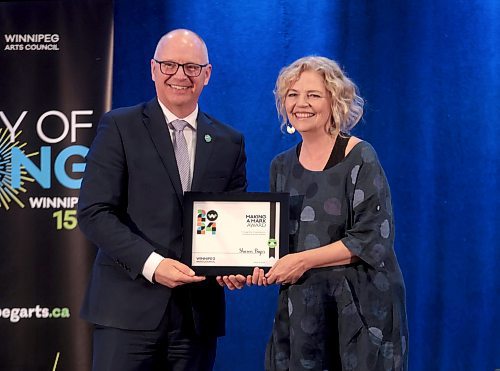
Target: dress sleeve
[
  {"x": 370, "y": 230},
  {"x": 276, "y": 174},
  {"x": 272, "y": 176}
]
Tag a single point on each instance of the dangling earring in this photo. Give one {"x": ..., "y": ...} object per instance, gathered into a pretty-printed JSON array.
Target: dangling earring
[{"x": 289, "y": 128}]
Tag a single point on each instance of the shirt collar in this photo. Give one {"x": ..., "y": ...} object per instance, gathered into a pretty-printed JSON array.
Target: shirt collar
[{"x": 190, "y": 119}]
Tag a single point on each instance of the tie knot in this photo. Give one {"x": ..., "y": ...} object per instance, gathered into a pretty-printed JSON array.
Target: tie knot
[{"x": 179, "y": 125}]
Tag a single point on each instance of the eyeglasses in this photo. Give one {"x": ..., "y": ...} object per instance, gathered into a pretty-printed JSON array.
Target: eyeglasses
[{"x": 171, "y": 67}]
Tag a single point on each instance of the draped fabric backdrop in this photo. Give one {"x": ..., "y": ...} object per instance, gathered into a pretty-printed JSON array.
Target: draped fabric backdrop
[{"x": 429, "y": 71}]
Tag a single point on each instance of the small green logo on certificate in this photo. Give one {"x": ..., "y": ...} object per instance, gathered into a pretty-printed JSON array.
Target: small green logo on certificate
[{"x": 272, "y": 243}]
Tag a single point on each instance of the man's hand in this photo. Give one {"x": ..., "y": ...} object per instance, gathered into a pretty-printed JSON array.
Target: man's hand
[{"x": 172, "y": 273}]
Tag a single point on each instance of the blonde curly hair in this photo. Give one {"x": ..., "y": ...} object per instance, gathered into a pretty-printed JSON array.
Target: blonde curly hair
[{"x": 347, "y": 105}]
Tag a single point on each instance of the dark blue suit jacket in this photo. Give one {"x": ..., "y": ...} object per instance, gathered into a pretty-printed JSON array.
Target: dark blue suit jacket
[{"x": 131, "y": 205}]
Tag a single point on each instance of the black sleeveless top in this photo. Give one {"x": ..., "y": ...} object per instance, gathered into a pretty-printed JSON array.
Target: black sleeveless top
[{"x": 338, "y": 150}]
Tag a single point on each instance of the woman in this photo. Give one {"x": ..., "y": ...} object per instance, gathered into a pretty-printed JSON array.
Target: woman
[{"x": 342, "y": 300}]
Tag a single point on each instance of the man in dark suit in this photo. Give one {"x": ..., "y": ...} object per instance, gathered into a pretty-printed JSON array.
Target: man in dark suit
[{"x": 151, "y": 311}]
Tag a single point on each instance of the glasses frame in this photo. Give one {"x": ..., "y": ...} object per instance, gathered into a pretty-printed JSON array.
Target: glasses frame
[{"x": 180, "y": 65}]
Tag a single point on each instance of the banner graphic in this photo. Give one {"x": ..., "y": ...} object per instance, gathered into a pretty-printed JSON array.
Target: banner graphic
[{"x": 55, "y": 83}]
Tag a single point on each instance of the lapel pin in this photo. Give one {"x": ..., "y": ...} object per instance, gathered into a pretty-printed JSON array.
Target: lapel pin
[{"x": 208, "y": 138}]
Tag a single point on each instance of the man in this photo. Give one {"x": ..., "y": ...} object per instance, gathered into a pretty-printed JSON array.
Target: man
[{"x": 151, "y": 311}]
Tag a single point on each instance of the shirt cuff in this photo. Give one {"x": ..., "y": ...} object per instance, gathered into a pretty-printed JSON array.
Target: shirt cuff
[{"x": 150, "y": 266}]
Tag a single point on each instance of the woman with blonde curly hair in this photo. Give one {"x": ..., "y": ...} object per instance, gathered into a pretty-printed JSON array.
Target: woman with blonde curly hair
[{"x": 342, "y": 296}]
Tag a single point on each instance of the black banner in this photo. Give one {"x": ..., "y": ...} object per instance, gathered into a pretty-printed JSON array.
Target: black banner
[{"x": 55, "y": 83}]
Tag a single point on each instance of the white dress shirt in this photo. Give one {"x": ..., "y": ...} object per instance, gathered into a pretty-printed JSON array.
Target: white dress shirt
[{"x": 155, "y": 259}]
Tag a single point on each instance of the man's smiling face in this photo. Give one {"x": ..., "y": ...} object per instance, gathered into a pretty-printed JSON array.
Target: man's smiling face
[{"x": 178, "y": 92}]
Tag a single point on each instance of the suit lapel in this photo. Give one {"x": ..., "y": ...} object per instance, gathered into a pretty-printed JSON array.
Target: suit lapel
[
  {"x": 155, "y": 123},
  {"x": 206, "y": 138}
]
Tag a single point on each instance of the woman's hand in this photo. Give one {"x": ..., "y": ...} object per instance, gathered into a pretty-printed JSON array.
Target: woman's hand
[
  {"x": 232, "y": 281},
  {"x": 257, "y": 278},
  {"x": 288, "y": 269},
  {"x": 238, "y": 281}
]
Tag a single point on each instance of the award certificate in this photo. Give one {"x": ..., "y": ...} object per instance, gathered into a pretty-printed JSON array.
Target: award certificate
[{"x": 231, "y": 233}]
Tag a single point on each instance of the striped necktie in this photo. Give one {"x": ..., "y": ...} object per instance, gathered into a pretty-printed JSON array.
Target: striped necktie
[{"x": 181, "y": 153}]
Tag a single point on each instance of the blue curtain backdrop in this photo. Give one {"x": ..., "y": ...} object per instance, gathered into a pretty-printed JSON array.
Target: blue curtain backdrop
[{"x": 429, "y": 70}]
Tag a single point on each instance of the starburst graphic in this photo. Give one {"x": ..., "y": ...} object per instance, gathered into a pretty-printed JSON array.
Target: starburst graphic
[{"x": 8, "y": 194}]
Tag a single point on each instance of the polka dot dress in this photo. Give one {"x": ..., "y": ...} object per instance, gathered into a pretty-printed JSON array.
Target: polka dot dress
[{"x": 349, "y": 317}]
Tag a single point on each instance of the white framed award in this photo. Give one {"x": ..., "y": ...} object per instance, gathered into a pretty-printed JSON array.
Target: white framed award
[{"x": 231, "y": 233}]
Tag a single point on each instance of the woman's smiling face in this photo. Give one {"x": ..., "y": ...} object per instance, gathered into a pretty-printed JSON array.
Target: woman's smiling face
[{"x": 308, "y": 104}]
